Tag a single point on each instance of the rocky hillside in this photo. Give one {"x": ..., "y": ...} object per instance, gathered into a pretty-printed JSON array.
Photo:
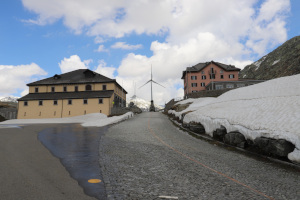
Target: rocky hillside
[{"x": 283, "y": 61}]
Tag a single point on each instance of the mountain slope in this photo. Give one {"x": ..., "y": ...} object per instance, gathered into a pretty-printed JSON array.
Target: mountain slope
[
  {"x": 143, "y": 104},
  {"x": 283, "y": 61},
  {"x": 9, "y": 99}
]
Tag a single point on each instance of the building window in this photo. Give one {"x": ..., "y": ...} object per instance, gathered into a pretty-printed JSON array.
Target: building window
[
  {"x": 65, "y": 88},
  {"x": 203, "y": 77},
  {"x": 194, "y": 84},
  {"x": 88, "y": 88},
  {"x": 36, "y": 90},
  {"x": 231, "y": 75},
  {"x": 55, "y": 102},
  {"x": 202, "y": 84},
  {"x": 221, "y": 71},
  {"x": 25, "y": 103},
  {"x": 76, "y": 88},
  {"x": 222, "y": 76},
  {"x": 103, "y": 87},
  {"x": 229, "y": 86},
  {"x": 40, "y": 102},
  {"x": 212, "y": 76},
  {"x": 69, "y": 101},
  {"x": 85, "y": 101},
  {"x": 194, "y": 77},
  {"x": 69, "y": 112},
  {"x": 100, "y": 101},
  {"x": 219, "y": 87},
  {"x": 202, "y": 72},
  {"x": 52, "y": 89}
]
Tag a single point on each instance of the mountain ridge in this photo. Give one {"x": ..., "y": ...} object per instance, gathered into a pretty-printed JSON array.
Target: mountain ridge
[{"x": 283, "y": 61}]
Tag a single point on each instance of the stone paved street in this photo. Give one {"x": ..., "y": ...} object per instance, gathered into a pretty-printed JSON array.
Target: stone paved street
[{"x": 147, "y": 157}]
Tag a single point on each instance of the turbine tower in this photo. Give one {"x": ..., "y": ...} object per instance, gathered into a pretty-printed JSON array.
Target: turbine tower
[{"x": 152, "y": 108}]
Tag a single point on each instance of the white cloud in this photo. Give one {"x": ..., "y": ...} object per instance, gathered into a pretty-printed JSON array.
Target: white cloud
[
  {"x": 105, "y": 70},
  {"x": 16, "y": 77},
  {"x": 123, "y": 45},
  {"x": 196, "y": 31},
  {"x": 99, "y": 40},
  {"x": 73, "y": 63},
  {"x": 101, "y": 48}
]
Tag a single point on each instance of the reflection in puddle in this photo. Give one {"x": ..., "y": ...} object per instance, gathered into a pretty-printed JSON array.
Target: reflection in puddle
[{"x": 77, "y": 148}]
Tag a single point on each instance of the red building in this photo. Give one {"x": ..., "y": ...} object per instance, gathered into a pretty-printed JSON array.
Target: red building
[{"x": 196, "y": 78}]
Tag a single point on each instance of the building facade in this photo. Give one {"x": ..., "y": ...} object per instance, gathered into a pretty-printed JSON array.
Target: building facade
[
  {"x": 71, "y": 94},
  {"x": 198, "y": 77},
  {"x": 220, "y": 85}
]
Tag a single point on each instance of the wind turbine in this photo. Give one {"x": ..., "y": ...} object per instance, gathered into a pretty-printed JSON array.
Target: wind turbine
[{"x": 152, "y": 108}]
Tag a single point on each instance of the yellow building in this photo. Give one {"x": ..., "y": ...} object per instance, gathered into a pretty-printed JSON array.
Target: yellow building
[{"x": 71, "y": 94}]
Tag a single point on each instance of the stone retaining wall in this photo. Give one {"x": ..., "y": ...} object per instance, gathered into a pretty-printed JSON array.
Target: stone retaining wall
[
  {"x": 9, "y": 113},
  {"x": 207, "y": 93}
]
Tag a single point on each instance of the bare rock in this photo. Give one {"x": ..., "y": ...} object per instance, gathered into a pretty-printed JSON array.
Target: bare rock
[
  {"x": 235, "y": 139},
  {"x": 196, "y": 127},
  {"x": 271, "y": 146},
  {"x": 220, "y": 133}
]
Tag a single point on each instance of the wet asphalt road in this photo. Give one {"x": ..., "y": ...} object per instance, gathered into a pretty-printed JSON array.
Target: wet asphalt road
[
  {"x": 77, "y": 148},
  {"x": 147, "y": 157},
  {"x": 28, "y": 171}
]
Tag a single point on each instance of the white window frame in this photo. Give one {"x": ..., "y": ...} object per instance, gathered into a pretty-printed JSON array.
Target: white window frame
[
  {"x": 229, "y": 86},
  {"x": 193, "y": 77},
  {"x": 219, "y": 87},
  {"x": 194, "y": 84}
]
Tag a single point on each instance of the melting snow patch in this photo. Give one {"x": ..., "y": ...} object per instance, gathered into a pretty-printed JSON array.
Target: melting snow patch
[
  {"x": 270, "y": 109},
  {"x": 275, "y": 62},
  {"x": 94, "y": 119}
]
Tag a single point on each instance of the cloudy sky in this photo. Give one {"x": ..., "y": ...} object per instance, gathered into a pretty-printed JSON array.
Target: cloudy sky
[{"x": 122, "y": 39}]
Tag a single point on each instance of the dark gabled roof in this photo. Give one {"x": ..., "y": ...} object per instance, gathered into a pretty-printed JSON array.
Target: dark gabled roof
[
  {"x": 201, "y": 66},
  {"x": 79, "y": 76},
  {"x": 67, "y": 95},
  {"x": 74, "y": 77}
]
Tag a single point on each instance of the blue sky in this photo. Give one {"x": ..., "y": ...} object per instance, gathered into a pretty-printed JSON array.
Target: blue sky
[{"x": 40, "y": 38}]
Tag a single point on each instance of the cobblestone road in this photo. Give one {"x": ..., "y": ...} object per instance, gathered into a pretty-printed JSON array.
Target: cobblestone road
[{"x": 147, "y": 157}]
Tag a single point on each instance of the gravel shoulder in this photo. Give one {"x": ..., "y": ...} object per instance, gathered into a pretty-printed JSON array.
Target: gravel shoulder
[{"x": 147, "y": 157}]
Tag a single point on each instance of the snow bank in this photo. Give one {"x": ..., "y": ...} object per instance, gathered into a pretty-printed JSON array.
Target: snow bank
[
  {"x": 195, "y": 104},
  {"x": 269, "y": 109},
  {"x": 94, "y": 119}
]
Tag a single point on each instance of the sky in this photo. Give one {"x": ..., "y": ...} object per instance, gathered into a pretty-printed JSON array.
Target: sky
[{"x": 123, "y": 39}]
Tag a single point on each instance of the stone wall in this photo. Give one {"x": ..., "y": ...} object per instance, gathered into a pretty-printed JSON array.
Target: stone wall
[
  {"x": 207, "y": 93},
  {"x": 122, "y": 110},
  {"x": 9, "y": 113}
]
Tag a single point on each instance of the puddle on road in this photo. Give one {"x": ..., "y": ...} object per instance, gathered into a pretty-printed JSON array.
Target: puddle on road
[{"x": 77, "y": 148}]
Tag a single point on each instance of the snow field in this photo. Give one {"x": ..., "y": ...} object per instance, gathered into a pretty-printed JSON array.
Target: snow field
[
  {"x": 270, "y": 109},
  {"x": 94, "y": 119}
]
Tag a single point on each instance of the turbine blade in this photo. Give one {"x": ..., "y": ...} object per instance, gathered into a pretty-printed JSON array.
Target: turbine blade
[
  {"x": 158, "y": 84},
  {"x": 145, "y": 83}
]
